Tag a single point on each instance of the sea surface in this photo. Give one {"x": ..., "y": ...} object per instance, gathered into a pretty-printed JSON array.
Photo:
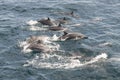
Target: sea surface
[{"x": 95, "y": 58}]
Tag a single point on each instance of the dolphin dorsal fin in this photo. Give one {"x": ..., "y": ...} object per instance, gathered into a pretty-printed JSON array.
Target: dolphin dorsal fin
[
  {"x": 59, "y": 25},
  {"x": 64, "y": 18},
  {"x": 72, "y": 13},
  {"x": 39, "y": 41},
  {"x": 48, "y": 19},
  {"x": 65, "y": 33}
]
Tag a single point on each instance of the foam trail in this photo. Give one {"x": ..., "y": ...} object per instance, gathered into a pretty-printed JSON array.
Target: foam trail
[
  {"x": 103, "y": 55},
  {"x": 105, "y": 44},
  {"x": 78, "y": 24},
  {"x": 31, "y": 22},
  {"x": 37, "y": 28},
  {"x": 115, "y": 59},
  {"x": 54, "y": 61},
  {"x": 97, "y": 58}
]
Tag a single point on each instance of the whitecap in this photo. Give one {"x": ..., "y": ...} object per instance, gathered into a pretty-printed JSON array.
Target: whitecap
[{"x": 32, "y": 22}]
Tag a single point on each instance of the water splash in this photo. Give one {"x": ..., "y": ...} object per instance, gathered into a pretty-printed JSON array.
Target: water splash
[
  {"x": 32, "y": 22},
  {"x": 97, "y": 58},
  {"x": 105, "y": 44},
  {"x": 54, "y": 61},
  {"x": 54, "y": 37},
  {"x": 37, "y": 28},
  {"x": 24, "y": 45},
  {"x": 46, "y": 41}
]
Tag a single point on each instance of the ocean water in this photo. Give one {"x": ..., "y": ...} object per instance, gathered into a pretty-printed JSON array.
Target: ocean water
[{"x": 95, "y": 58}]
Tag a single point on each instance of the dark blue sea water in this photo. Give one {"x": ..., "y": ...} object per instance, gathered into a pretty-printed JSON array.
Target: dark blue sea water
[{"x": 100, "y": 53}]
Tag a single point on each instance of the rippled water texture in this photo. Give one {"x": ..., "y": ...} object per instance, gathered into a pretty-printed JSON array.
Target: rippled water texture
[{"x": 95, "y": 58}]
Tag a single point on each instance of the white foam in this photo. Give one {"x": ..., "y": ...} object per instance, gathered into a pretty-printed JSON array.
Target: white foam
[
  {"x": 24, "y": 45},
  {"x": 101, "y": 56},
  {"x": 53, "y": 61},
  {"x": 78, "y": 24},
  {"x": 115, "y": 59},
  {"x": 36, "y": 28},
  {"x": 54, "y": 38},
  {"x": 106, "y": 44},
  {"x": 97, "y": 58},
  {"x": 32, "y": 26},
  {"x": 98, "y": 19},
  {"x": 32, "y": 22}
]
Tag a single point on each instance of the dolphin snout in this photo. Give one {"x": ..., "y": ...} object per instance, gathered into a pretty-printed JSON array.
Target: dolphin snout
[{"x": 85, "y": 37}]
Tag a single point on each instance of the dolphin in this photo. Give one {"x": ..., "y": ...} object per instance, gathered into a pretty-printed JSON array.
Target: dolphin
[
  {"x": 72, "y": 14},
  {"x": 57, "y": 28},
  {"x": 39, "y": 47},
  {"x": 63, "y": 20},
  {"x": 72, "y": 36},
  {"x": 46, "y": 21},
  {"x": 38, "y": 43}
]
